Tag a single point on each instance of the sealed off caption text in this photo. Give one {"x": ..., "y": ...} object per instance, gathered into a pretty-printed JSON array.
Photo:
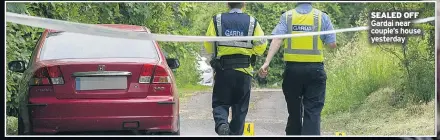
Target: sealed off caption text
[{"x": 392, "y": 27}]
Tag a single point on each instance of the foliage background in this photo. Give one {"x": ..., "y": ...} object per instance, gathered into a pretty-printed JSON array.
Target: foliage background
[{"x": 355, "y": 69}]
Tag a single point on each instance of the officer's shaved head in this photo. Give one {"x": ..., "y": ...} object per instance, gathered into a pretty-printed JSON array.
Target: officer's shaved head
[{"x": 237, "y": 5}]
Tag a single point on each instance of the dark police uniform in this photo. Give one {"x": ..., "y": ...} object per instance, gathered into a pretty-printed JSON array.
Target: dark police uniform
[{"x": 232, "y": 64}]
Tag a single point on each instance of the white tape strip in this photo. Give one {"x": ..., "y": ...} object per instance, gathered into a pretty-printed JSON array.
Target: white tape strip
[{"x": 118, "y": 33}]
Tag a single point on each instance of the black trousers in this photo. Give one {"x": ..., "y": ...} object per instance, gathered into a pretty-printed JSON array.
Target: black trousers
[
  {"x": 304, "y": 91},
  {"x": 231, "y": 89}
]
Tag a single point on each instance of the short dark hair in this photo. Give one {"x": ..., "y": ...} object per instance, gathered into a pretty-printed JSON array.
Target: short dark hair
[{"x": 236, "y": 5}]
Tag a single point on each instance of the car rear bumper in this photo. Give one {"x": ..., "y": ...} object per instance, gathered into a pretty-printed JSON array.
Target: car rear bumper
[
  {"x": 55, "y": 125},
  {"x": 158, "y": 114}
]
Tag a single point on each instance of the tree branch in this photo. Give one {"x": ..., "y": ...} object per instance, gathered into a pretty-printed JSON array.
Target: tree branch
[{"x": 390, "y": 51}]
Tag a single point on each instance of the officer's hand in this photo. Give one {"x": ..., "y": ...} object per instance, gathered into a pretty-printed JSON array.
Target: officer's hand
[{"x": 263, "y": 70}]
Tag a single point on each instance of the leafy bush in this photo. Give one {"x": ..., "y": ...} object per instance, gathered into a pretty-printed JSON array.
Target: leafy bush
[
  {"x": 11, "y": 125},
  {"x": 20, "y": 41},
  {"x": 420, "y": 84}
]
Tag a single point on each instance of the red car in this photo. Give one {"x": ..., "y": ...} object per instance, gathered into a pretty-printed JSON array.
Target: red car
[{"x": 84, "y": 83}]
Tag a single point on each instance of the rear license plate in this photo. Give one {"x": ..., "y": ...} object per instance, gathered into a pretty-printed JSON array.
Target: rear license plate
[{"x": 99, "y": 83}]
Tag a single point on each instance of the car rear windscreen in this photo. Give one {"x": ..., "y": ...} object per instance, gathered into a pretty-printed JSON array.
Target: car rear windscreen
[{"x": 66, "y": 45}]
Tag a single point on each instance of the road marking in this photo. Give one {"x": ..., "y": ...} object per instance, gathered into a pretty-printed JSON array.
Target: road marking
[{"x": 249, "y": 129}]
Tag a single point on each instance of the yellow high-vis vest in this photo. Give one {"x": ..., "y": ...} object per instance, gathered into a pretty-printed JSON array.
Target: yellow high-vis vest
[{"x": 306, "y": 48}]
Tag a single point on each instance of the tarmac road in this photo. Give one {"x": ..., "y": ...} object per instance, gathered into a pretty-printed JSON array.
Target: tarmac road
[{"x": 267, "y": 110}]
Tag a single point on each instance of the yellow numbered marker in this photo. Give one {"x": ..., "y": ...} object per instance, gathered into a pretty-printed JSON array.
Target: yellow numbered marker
[
  {"x": 249, "y": 129},
  {"x": 340, "y": 134}
]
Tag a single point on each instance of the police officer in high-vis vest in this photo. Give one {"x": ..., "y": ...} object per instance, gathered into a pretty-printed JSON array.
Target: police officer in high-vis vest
[
  {"x": 304, "y": 78},
  {"x": 233, "y": 62}
]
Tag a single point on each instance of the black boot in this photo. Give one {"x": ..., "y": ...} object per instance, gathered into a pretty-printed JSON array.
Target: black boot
[{"x": 223, "y": 129}]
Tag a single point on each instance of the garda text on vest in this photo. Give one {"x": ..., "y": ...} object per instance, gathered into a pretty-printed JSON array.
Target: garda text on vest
[
  {"x": 304, "y": 28},
  {"x": 230, "y": 32}
]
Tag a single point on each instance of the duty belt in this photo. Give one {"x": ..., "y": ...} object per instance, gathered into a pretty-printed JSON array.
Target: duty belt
[{"x": 235, "y": 61}]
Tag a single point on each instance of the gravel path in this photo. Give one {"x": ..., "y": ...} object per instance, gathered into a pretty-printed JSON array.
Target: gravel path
[{"x": 268, "y": 112}]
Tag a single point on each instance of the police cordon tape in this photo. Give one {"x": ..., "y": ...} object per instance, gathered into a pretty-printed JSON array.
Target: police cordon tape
[{"x": 91, "y": 29}]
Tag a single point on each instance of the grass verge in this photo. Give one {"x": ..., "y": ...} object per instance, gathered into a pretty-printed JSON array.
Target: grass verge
[
  {"x": 11, "y": 125},
  {"x": 378, "y": 117},
  {"x": 353, "y": 73},
  {"x": 188, "y": 91}
]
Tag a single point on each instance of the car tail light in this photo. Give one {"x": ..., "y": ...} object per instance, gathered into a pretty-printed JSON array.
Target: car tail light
[
  {"x": 146, "y": 73},
  {"x": 55, "y": 75},
  {"x": 154, "y": 74},
  {"x": 159, "y": 79},
  {"x": 47, "y": 76},
  {"x": 40, "y": 77},
  {"x": 161, "y": 75}
]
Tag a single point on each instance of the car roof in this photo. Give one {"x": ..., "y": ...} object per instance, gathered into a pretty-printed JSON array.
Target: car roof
[{"x": 135, "y": 28}]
